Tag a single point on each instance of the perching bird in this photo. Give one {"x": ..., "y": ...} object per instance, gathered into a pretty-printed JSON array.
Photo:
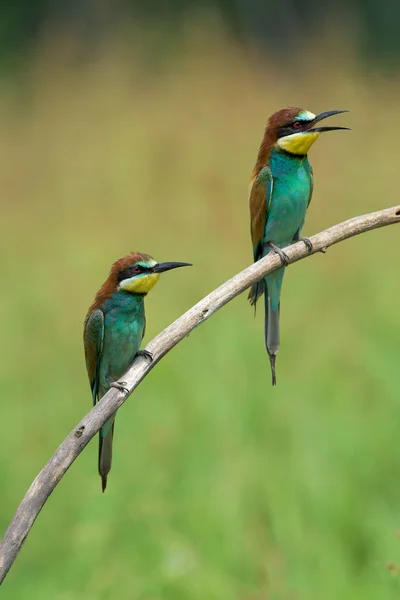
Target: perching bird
[
  {"x": 280, "y": 192},
  {"x": 113, "y": 331}
]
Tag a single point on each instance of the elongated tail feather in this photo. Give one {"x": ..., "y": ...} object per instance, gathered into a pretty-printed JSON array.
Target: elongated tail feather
[
  {"x": 271, "y": 332},
  {"x": 271, "y": 288},
  {"x": 105, "y": 453}
]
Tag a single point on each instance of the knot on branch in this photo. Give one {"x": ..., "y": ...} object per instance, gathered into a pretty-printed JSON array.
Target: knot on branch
[{"x": 78, "y": 432}]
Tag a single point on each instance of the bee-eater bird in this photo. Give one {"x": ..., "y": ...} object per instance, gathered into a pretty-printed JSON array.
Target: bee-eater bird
[
  {"x": 280, "y": 192},
  {"x": 113, "y": 331}
]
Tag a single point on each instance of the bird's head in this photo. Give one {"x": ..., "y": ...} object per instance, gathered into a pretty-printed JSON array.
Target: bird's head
[
  {"x": 294, "y": 129},
  {"x": 137, "y": 273}
]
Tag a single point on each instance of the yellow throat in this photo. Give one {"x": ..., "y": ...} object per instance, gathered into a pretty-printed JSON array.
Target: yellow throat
[
  {"x": 140, "y": 285},
  {"x": 298, "y": 143}
]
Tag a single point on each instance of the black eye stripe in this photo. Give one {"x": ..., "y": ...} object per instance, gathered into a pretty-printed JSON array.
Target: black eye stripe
[
  {"x": 125, "y": 274},
  {"x": 129, "y": 272},
  {"x": 292, "y": 128}
]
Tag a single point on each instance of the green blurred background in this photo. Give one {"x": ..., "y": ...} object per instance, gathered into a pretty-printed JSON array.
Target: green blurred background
[{"x": 139, "y": 133}]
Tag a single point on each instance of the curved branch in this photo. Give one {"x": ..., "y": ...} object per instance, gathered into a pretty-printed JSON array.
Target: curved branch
[{"x": 52, "y": 473}]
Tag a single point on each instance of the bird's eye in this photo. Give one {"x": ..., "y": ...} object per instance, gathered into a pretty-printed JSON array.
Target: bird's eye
[
  {"x": 297, "y": 125},
  {"x": 136, "y": 270}
]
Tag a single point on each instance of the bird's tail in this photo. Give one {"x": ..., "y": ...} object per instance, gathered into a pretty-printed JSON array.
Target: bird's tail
[
  {"x": 105, "y": 451},
  {"x": 272, "y": 294},
  {"x": 271, "y": 332}
]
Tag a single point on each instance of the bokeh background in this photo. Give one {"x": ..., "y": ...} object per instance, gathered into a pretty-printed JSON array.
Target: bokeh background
[{"x": 134, "y": 126}]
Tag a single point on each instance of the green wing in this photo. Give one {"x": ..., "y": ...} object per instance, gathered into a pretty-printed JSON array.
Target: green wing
[
  {"x": 93, "y": 338},
  {"x": 260, "y": 200}
]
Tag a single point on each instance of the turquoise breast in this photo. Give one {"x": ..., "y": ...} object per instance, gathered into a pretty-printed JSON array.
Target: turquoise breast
[
  {"x": 290, "y": 196},
  {"x": 124, "y": 323}
]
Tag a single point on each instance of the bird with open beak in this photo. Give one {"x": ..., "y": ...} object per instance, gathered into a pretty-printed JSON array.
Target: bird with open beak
[{"x": 280, "y": 193}]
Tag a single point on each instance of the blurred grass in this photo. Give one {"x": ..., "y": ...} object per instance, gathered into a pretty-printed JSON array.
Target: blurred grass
[{"x": 221, "y": 487}]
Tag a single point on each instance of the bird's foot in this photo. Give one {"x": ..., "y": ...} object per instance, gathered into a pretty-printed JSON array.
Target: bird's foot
[
  {"x": 282, "y": 255},
  {"x": 121, "y": 386},
  {"x": 307, "y": 242},
  {"x": 145, "y": 354}
]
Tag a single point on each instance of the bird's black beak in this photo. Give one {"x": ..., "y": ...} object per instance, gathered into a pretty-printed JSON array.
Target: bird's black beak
[
  {"x": 324, "y": 115},
  {"x": 167, "y": 266}
]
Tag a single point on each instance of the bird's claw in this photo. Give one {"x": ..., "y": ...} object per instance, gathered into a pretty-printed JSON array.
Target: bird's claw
[
  {"x": 121, "y": 386},
  {"x": 307, "y": 242},
  {"x": 145, "y": 354},
  {"x": 282, "y": 255}
]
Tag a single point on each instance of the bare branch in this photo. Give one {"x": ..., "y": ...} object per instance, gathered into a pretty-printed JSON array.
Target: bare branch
[{"x": 72, "y": 446}]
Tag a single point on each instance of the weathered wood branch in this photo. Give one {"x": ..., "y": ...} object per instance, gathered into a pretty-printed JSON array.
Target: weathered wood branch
[{"x": 52, "y": 473}]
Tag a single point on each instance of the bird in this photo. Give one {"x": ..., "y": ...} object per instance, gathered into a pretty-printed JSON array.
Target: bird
[
  {"x": 281, "y": 187},
  {"x": 113, "y": 330}
]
